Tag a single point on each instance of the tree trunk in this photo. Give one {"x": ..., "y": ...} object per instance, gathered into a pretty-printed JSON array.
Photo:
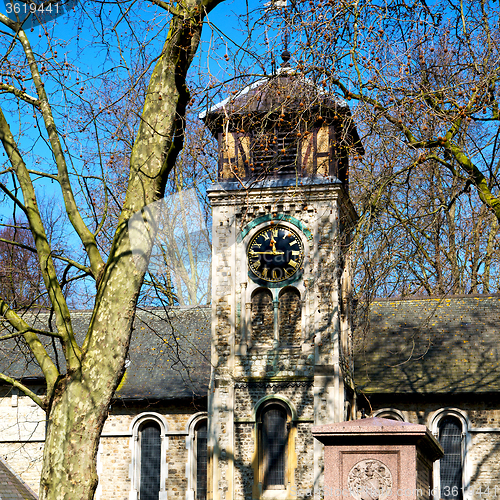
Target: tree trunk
[
  {"x": 73, "y": 430},
  {"x": 79, "y": 407}
]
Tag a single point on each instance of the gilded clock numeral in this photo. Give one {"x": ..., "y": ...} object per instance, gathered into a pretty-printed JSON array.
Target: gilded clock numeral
[{"x": 275, "y": 262}]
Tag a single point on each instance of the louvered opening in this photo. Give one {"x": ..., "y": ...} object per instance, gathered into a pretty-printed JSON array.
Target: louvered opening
[{"x": 275, "y": 153}]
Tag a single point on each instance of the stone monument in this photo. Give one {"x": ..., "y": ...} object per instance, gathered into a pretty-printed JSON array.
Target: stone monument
[{"x": 377, "y": 459}]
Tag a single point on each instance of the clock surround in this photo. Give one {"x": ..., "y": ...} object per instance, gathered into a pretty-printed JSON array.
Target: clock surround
[{"x": 275, "y": 255}]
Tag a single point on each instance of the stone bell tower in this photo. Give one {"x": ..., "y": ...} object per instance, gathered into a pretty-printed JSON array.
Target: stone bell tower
[{"x": 281, "y": 347}]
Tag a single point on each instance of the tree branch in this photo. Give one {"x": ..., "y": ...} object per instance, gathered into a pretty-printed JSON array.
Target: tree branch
[{"x": 39, "y": 401}]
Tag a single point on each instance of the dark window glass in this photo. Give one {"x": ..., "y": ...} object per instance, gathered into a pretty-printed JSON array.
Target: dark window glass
[
  {"x": 201, "y": 461},
  {"x": 450, "y": 466},
  {"x": 150, "y": 441},
  {"x": 274, "y": 438}
]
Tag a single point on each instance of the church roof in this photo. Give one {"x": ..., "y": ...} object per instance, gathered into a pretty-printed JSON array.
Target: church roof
[
  {"x": 12, "y": 487},
  {"x": 169, "y": 354},
  {"x": 412, "y": 345},
  {"x": 430, "y": 345},
  {"x": 285, "y": 90}
]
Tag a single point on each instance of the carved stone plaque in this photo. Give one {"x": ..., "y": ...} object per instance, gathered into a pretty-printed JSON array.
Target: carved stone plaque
[{"x": 370, "y": 480}]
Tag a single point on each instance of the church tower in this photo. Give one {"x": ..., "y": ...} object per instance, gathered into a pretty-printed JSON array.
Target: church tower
[{"x": 281, "y": 346}]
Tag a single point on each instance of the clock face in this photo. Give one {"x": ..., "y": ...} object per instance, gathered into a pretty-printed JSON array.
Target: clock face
[{"x": 275, "y": 254}]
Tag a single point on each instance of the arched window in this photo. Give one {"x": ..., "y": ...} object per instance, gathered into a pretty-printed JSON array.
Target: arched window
[
  {"x": 149, "y": 466},
  {"x": 150, "y": 449},
  {"x": 200, "y": 443},
  {"x": 274, "y": 441},
  {"x": 274, "y": 421},
  {"x": 290, "y": 316},
  {"x": 390, "y": 413},
  {"x": 450, "y": 466},
  {"x": 262, "y": 323},
  {"x": 452, "y": 472},
  {"x": 197, "y": 464}
]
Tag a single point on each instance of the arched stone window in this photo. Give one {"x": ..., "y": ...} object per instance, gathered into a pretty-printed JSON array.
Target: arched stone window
[
  {"x": 450, "y": 426},
  {"x": 290, "y": 316},
  {"x": 274, "y": 446},
  {"x": 262, "y": 319},
  {"x": 390, "y": 413},
  {"x": 450, "y": 466},
  {"x": 149, "y": 468},
  {"x": 150, "y": 452},
  {"x": 275, "y": 443},
  {"x": 198, "y": 457},
  {"x": 201, "y": 434}
]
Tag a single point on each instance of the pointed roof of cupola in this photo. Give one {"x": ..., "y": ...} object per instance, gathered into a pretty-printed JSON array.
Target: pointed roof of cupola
[
  {"x": 284, "y": 89},
  {"x": 286, "y": 93}
]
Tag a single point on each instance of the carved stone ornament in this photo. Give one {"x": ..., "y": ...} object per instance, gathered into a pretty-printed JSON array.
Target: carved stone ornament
[{"x": 370, "y": 480}]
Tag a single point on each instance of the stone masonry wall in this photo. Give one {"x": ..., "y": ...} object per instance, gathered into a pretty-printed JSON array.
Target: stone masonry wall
[
  {"x": 22, "y": 434},
  {"x": 482, "y": 434}
]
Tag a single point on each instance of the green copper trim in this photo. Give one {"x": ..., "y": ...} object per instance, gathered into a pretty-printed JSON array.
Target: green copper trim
[{"x": 273, "y": 218}]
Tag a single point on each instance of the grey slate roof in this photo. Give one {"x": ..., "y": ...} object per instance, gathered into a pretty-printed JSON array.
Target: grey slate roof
[
  {"x": 169, "y": 357},
  {"x": 286, "y": 88},
  {"x": 12, "y": 487},
  {"x": 416, "y": 345},
  {"x": 430, "y": 345},
  {"x": 169, "y": 354}
]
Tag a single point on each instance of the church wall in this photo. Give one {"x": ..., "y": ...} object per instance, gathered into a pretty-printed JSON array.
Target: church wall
[
  {"x": 117, "y": 448},
  {"x": 22, "y": 436},
  {"x": 481, "y": 445},
  {"x": 272, "y": 343}
]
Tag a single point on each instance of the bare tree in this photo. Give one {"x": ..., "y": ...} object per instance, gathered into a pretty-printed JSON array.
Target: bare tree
[
  {"x": 422, "y": 81},
  {"x": 43, "y": 93}
]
